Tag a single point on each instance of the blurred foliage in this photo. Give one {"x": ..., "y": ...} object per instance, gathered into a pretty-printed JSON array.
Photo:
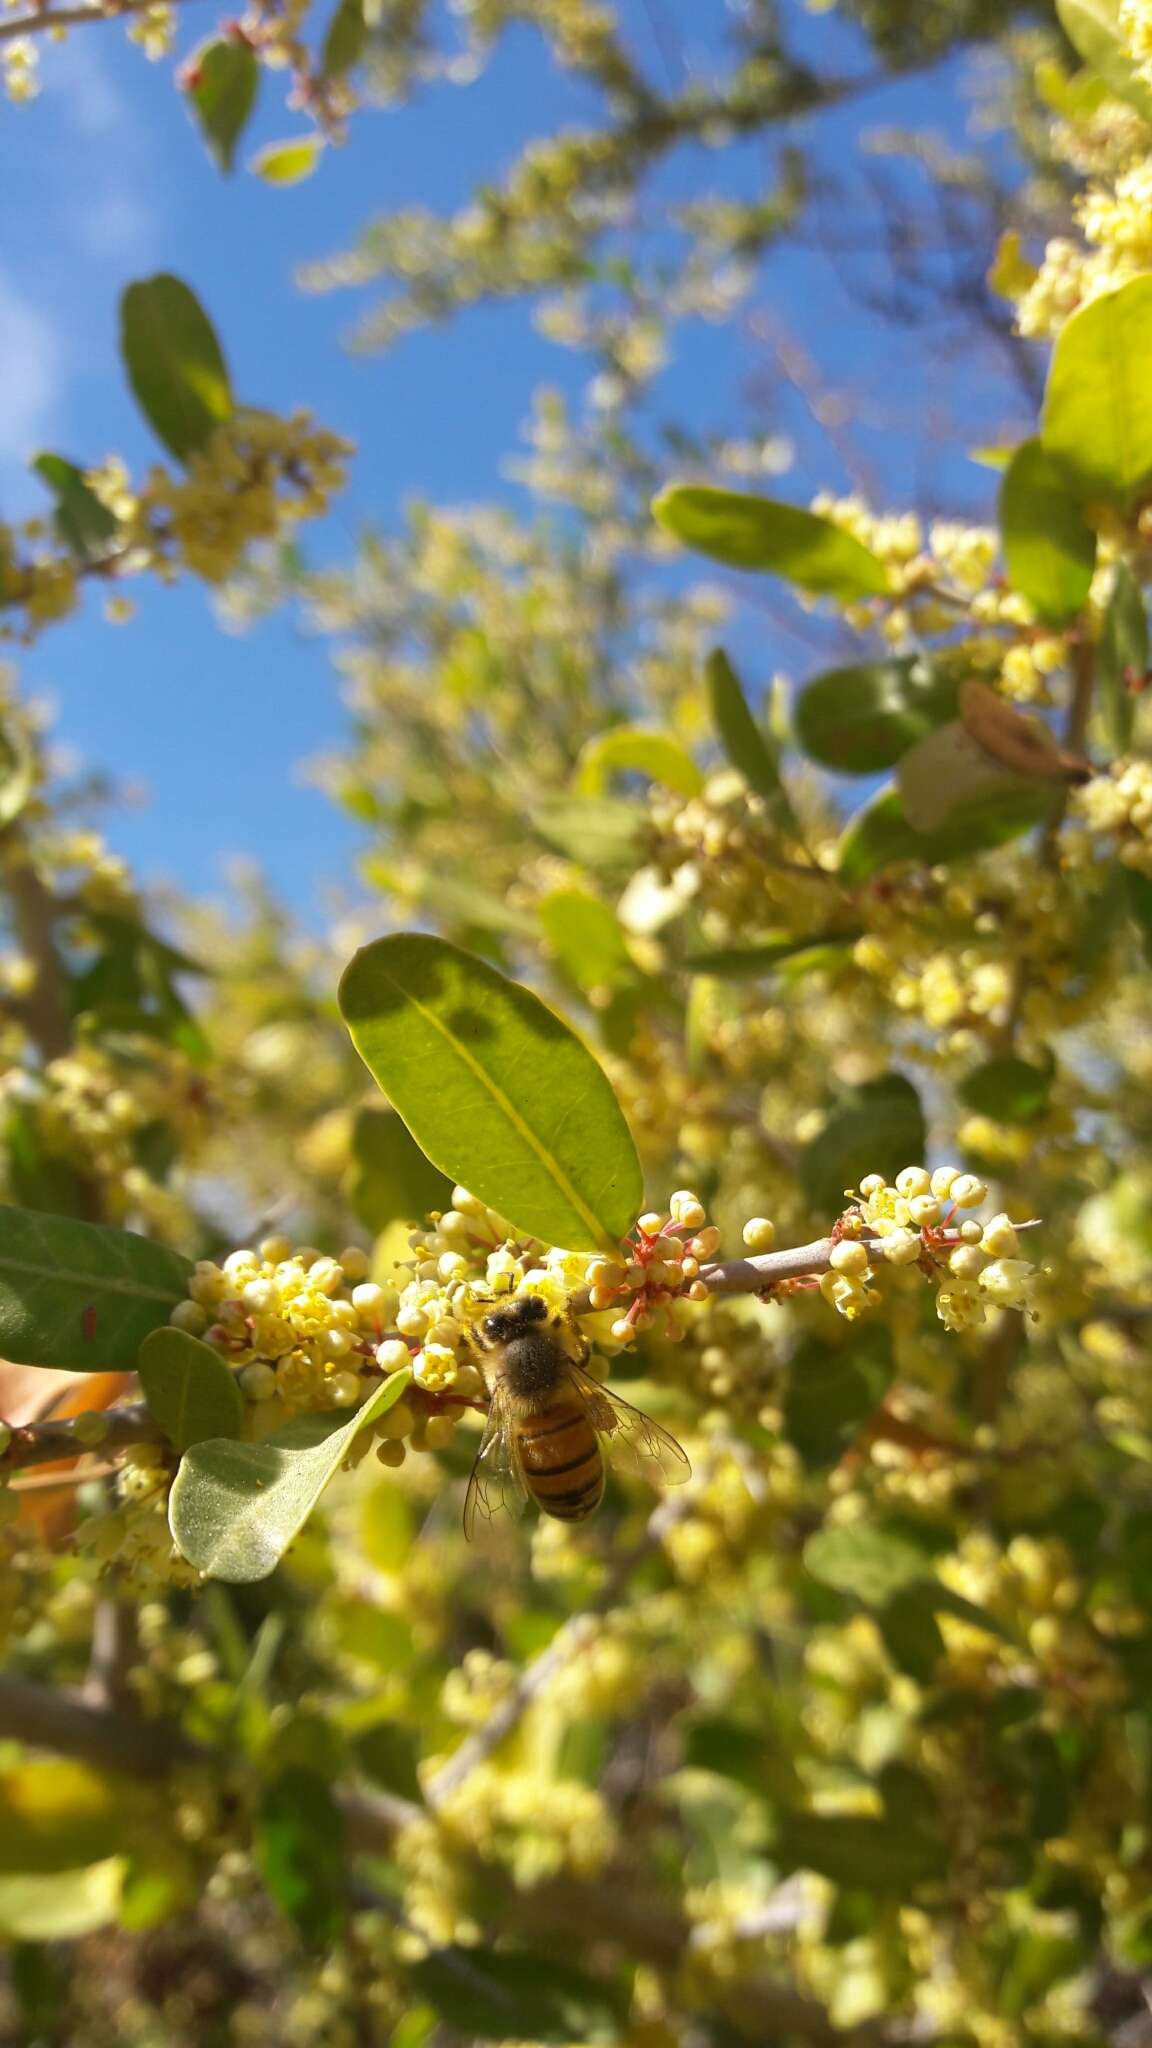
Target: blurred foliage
[{"x": 848, "y": 1737}]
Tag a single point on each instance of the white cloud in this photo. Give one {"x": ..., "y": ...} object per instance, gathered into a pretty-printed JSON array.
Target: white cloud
[
  {"x": 33, "y": 362},
  {"x": 106, "y": 204}
]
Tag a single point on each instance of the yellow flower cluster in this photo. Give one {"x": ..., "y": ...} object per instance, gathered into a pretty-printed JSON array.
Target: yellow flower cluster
[
  {"x": 945, "y": 576},
  {"x": 661, "y": 1276},
  {"x": 1116, "y": 807},
  {"x": 256, "y": 480},
  {"x": 92, "y": 1110},
  {"x": 1135, "y": 24},
  {"x": 975, "y": 1265},
  {"x": 258, "y": 477}
]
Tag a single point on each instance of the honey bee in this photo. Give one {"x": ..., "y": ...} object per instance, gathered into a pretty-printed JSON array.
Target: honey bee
[{"x": 545, "y": 1419}]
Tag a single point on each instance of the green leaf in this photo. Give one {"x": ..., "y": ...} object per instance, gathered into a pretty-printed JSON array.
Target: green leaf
[
  {"x": 629, "y": 749},
  {"x": 1049, "y": 547},
  {"x": 82, "y": 522},
  {"x": 57, "y": 1815},
  {"x": 174, "y": 362},
  {"x": 862, "y": 718},
  {"x": 1123, "y": 658},
  {"x": 831, "y": 1394},
  {"x": 584, "y": 935},
  {"x": 345, "y": 40},
  {"x": 1011, "y": 1090},
  {"x": 299, "y": 1840},
  {"x": 862, "y": 1851},
  {"x": 876, "y": 1128},
  {"x": 872, "y": 1560},
  {"x": 600, "y": 832},
  {"x": 729, "y": 1750},
  {"x": 911, "y": 1633},
  {"x": 65, "y": 1906},
  {"x": 752, "y": 963},
  {"x": 947, "y": 778},
  {"x": 879, "y": 835},
  {"x": 288, "y": 163},
  {"x": 495, "y": 1089},
  {"x": 747, "y": 532},
  {"x": 226, "y": 76},
  {"x": 80, "y": 1295},
  {"x": 235, "y": 1508},
  {"x": 746, "y": 745},
  {"x": 1092, "y": 27},
  {"x": 1138, "y": 896},
  {"x": 189, "y": 1389},
  {"x": 513, "y": 1995},
  {"x": 1097, "y": 420},
  {"x": 389, "y": 1179}
]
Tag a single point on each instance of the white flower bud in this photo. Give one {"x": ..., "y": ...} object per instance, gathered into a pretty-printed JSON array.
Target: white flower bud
[
  {"x": 999, "y": 1238},
  {"x": 967, "y": 1262},
  {"x": 189, "y": 1316},
  {"x": 967, "y": 1191},
  {"x": 924, "y": 1211},
  {"x": 942, "y": 1179},
  {"x": 1008, "y": 1282},
  {"x": 902, "y": 1247},
  {"x": 759, "y": 1234},
  {"x": 258, "y": 1381},
  {"x": 914, "y": 1180},
  {"x": 872, "y": 1184},
  {"x": 849, "y": 1258},
  {"x": 392, "y": 1354},
  {"x": 355, "y": 1264}
]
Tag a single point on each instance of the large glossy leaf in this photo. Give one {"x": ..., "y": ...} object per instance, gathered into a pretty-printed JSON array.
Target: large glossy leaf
[
  {"x": 299, "y": 1842},
  {"x": 631, "y": 749},
  {"x": 1049, "y": 547},
  {"x": 83, "y": 523},
  {"x": 1123, "y": 658},
  {"x": 746, "y": 745},
  {"x": 389, "y": 1179},
  {"x": 1092, "y": 27},
  {"x": 747, "y": 532},
  {"x": 876, "y": 1128},
  {"x": 189, "y": 1389},
  {"x": 226, "y": 76},
  {"x": 584, "y": 935},
  {"x": 174, "y": 362},
  {"x": 79, "y": 1295},
  {"x": 860, "y": 719},
  {"x": 490, "y": 1994},
  {"x": 953, "y": 773},
  {"x": 496, "y": 1090},
  {"x": 235, "y": 1508},
  {"x": 878, "y": 835},
  {"x": 1097, "y": 420}
]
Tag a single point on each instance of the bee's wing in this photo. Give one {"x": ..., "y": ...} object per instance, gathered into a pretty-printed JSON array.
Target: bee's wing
[
  {"x": 637, "y": 1443},
  {"x": 497, "y": 1483}
]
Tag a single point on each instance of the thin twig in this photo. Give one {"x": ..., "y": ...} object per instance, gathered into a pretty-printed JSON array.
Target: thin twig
[
  {"x": 44, "y": 20},
  {"x": 38, "y": 1443}
]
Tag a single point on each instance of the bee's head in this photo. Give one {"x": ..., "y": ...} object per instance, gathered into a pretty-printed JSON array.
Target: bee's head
[{"x": 504, "y": 1324}]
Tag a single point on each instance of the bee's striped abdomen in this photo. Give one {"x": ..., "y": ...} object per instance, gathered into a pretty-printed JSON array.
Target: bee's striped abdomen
[{"x": 561, "y": 1461}]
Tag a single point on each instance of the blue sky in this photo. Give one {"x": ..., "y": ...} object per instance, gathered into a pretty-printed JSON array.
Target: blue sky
[{"x": 211, "y": 729}]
